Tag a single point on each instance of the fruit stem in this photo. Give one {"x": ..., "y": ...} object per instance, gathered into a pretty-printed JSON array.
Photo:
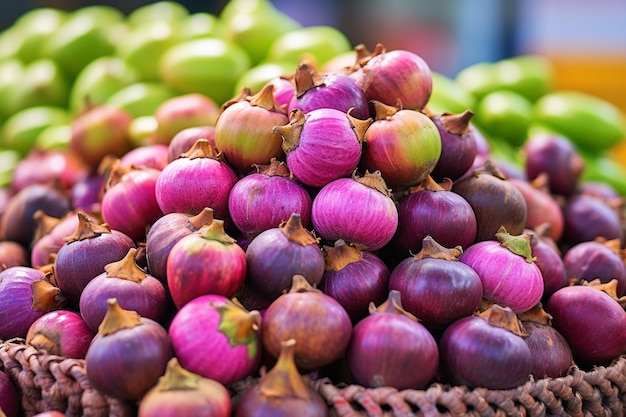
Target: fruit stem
[
  {"x": 518, "y": 244},
  {"x": 215, "y": 231},
  {"x": 177, "y": 378},
  {"x": 116, "y": 318},
  {"x": 433, "y": 249},
  {"x": 295, "y": 232},
  {"x": 291, "y": 131},
  {"x": 126, "y": 268},
  {"x": 340, "y": 255},
  {"x": 284, "y": 379},
  {"x": 204, "y": 218},
  {"x": 87, "y": 228},
  {"x": 46, "y": 297},
  {"x": 241, "y": 327},
  {"x": 457, "y": 124}
]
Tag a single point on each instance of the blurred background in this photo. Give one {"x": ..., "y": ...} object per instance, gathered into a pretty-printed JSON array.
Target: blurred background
[{"x": 586, "y": 40}]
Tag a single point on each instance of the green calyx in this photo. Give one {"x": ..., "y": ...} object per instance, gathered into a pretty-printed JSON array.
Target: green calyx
[{"x": 240, "y": 327}]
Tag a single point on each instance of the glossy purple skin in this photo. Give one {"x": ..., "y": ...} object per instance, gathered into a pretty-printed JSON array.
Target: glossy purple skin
[
  {"x": 197, "y": 266},
  {"x": 80, "y": 261},
  {"x": 189, "y": 185},
  {"x": 148, "y": 298},
  {"x": 127, "y": 363},
  {"x": 66, "y": 329},
  {"x": 9, "y": 397},
  {"x": 358, "y": 284},
  {"x": 591, "y": 321},
  {"x": 86, "y": 193},
  {"x": 550, "y": 263},
  {"x": 437, "y": 291},
  {"x": 50, "y": 243},
  {"x": 556, "y": 156},
  {"x": 328, "y": 148},
  {"x": 438, "y": 214},
  {"x": 185, "y": 139},
  {"x": 595, "y": 260},
  {"x": 587, "y": 217},
  {"x": 372, "y": 223},
  {"x": 16, "y": 301},
  {"x": 284, "y": 91},
  {"x": 273, "y": 260},
  {"x": 253, "y": 403},
  {"x": 130, "y": 205},
  {"x": 458, "y": 152},
  {"x": 338, "y": 92},
  {"x": 551, "y": 355},
  {"x": 161, "y": 237},
  {"x": 195, "y": 328},
  {"x": 258, "y": 202},
  {"x": 477, "y": 354},
  {"x": 385, "y": 345},
  {"x": 508, "y": 279},
  {"x": 396, "y": 76}
]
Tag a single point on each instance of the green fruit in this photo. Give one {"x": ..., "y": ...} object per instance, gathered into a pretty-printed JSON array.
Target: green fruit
[
  {"x": 42, "y": 84},
  {"x": 448, "y": 96},
  {"x": 201, "y": 25},
  {"x": 11, "y": 73},
  {"x": 208, "y": 66},
  {"x": 256, "y": 31},
  {"x": 160, "y": 10},
  {"x": 592, "y": 123},
  {"x": 322, "y": 43},
  {"x": 506, "y": 115},
  {"x": 10, "y": 42},
  {"x": 528, "y": 75},
  {"x": 20, "y": 131},
  {"x": 141, "y": 98},
  {"x": 35, "y": 27},
  {"x": 78, "y": 42},
  {"x": 604, "y": 169},
  {"x": 256, "y": 77},
  {"x": 8, "y": 161},
  {"x": 478, "y": 79},
  {"x": 54, "y": 137},
  {"x": 141, "y": 130},
  {"x": 100, "y": 79},
  {"x": 145, "y": 43}
]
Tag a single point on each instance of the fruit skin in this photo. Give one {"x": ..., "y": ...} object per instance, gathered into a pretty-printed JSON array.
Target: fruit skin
[
  {"x": 590, "y": 122},
  {"x": 208, "y": 66},
  {"x": 506, "y": 115},
  {"x": 448, "y": 95},
  {"x": 21, "y": 130},
  {"x": 142, "y": 98}
]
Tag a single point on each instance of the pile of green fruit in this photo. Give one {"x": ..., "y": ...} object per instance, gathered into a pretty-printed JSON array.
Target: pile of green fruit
[
  {"x": 55, "y": 63},
  {"x": 515, "y": 98}
]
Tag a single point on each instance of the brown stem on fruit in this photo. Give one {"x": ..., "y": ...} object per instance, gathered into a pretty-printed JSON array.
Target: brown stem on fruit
[
  {"x": 116, "y": 318},
  {"x": 41, "y": 342},
  {"x": 457, "y": 124},
  {"x": 383, "y": 111},
  {"x": 116, "y": 173},
  {"x": 87, "y": 228},
  {"x": 295, "y": 232},
  {"x": 364, "y": 56},
  {"x": 609, "y": 288},
  {"x": 306, "y": 78},
  {"x": 391, "y": 305},
  {"x": 291, "y": 131},
  {"x": 432, "y": 249},
  {"x": 44, "y": 223},
  {"x": 204, "y": 218},
  {"x": 201, "y": 149},
  {"x": 536, "y": 315},
  {"x": 241, "y": 327},
  {"x": 299, "y": 283},
  {"x": 373, "y": 180},
  {"x": 541, "y": 182},
  {"x": 359, "y": 125},
  {"x": 274, "y": 168},
  {"x": 177, "y": 378},
  {"x": 490, "y": 168},
  {"x": 284, "y": 379},
  {"x": 215, "y": 231},
  {"x": 504, "y": 318},
  {"x": 518, "y": 244},
  {"x": 126, "y": 268},
  {"x": 46, "y": 297},
  {"x": 244, "y": 94},
  {"x": 429, "y": 184},
  {"x": 265, "y": 99},
  {"x": 340, "y": 255}
]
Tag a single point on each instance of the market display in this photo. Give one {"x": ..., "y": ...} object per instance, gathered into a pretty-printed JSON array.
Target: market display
[{"x": 236, "y": 215}]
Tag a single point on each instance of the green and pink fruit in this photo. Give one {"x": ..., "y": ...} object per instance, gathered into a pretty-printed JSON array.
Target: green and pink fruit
[
  {"x": 256, "y": 77},
  {"x": 178, "y": 113},
  {"x": 100, "y": 131}
]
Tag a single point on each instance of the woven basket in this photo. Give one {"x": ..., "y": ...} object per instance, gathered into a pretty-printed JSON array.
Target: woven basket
[{"x": 50, "y": 382}]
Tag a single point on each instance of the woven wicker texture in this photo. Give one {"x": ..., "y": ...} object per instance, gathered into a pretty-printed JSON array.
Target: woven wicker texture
[{"x": 51, "y": 382}]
